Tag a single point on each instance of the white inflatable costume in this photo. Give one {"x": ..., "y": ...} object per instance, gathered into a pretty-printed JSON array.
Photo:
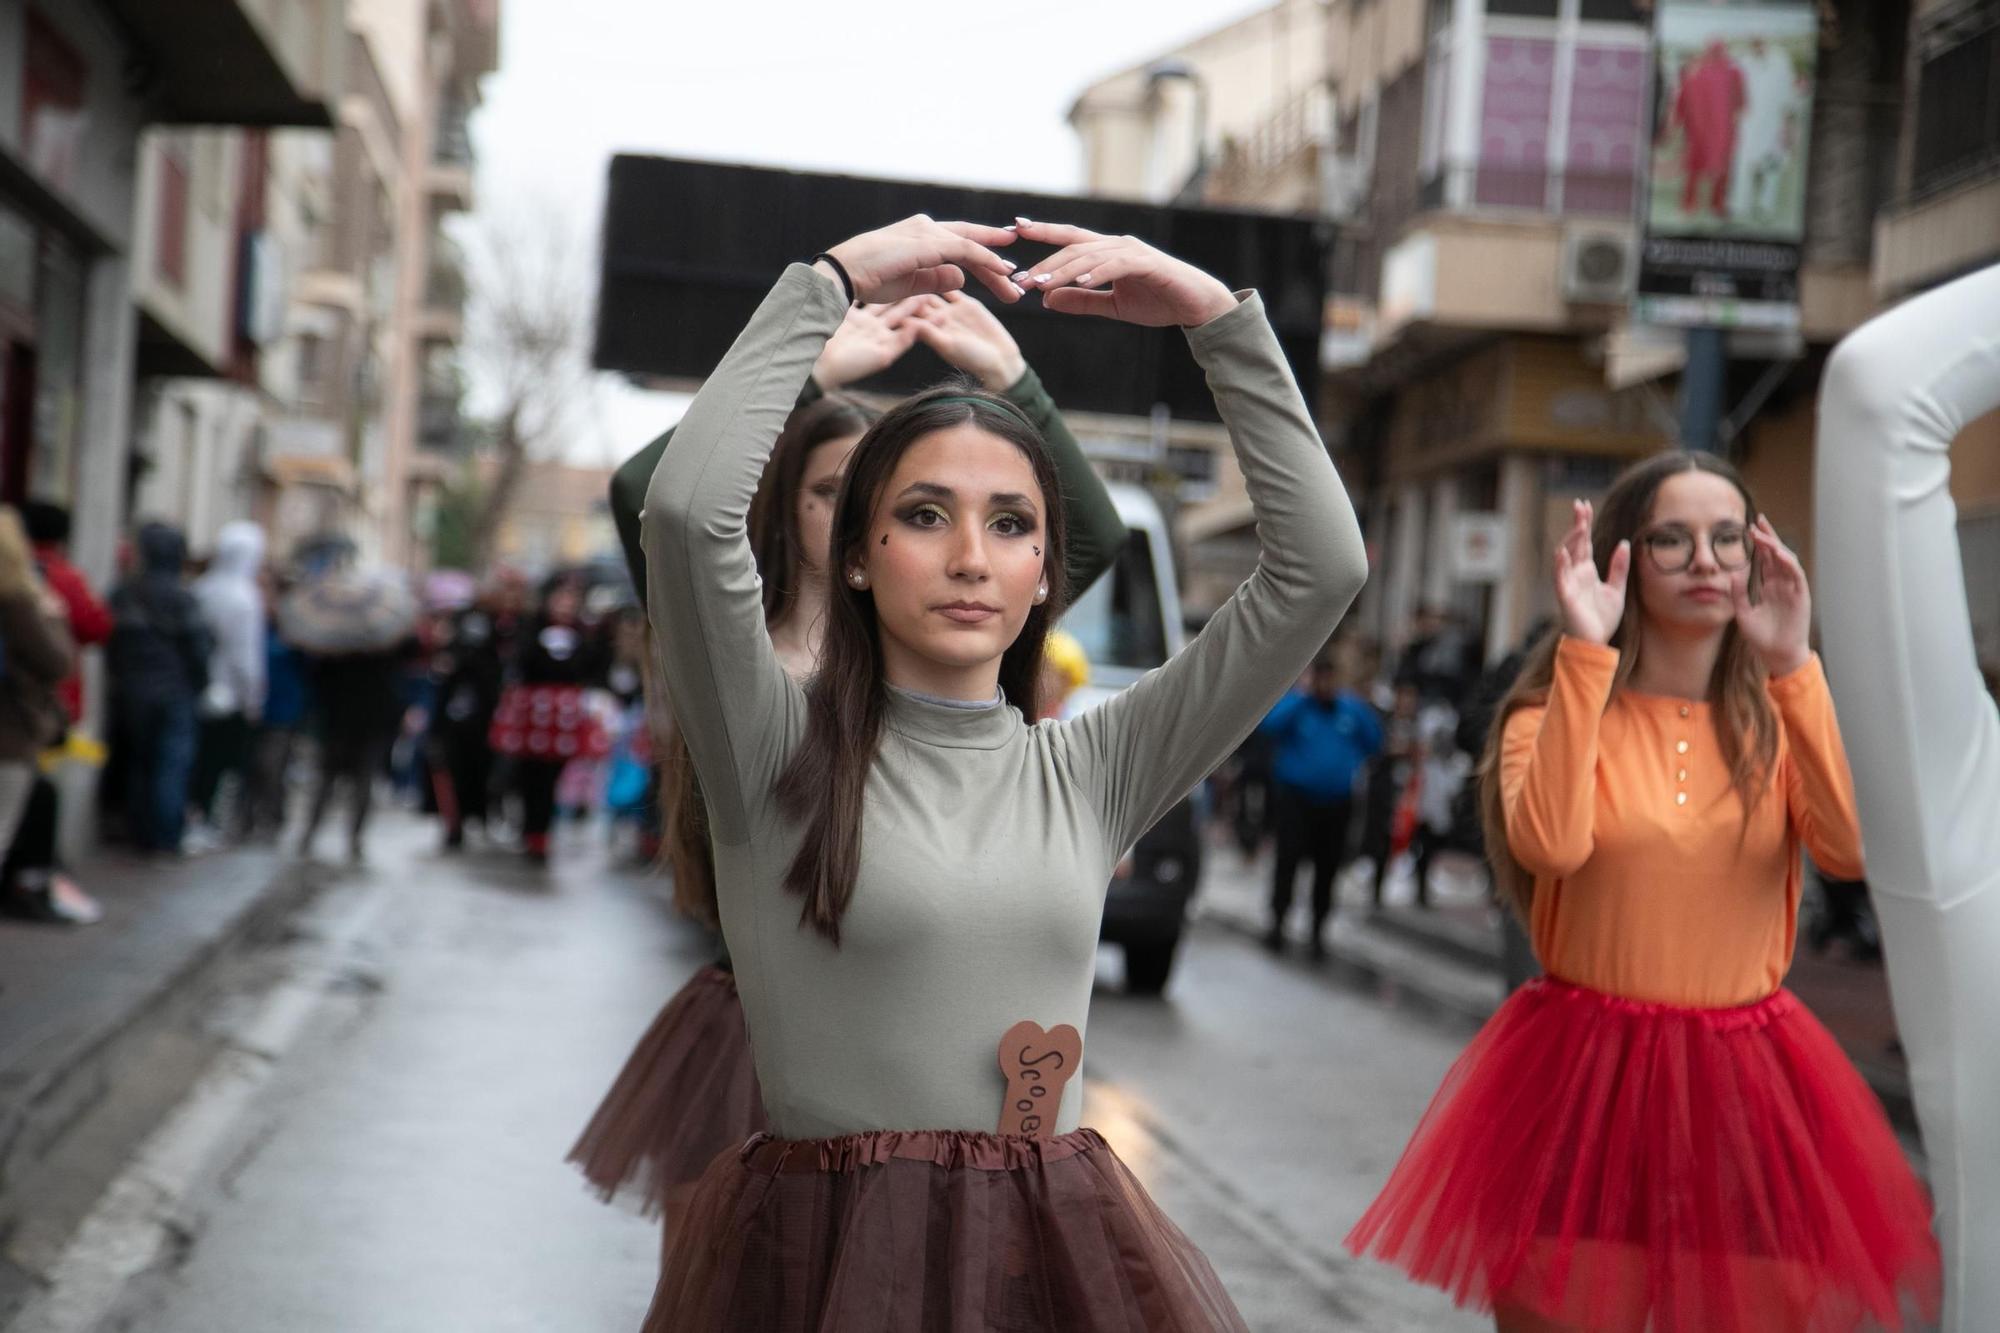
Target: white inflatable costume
[{"x": 1922, "y": 734}]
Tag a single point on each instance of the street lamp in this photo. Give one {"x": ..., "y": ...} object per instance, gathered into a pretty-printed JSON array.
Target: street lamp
[{"x": 1161, "y": 71}]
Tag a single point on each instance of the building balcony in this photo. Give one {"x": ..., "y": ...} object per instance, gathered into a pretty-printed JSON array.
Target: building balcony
[
  {"x": 449, "y": 176},
  {"x": 281, "y": 59},
  {"x": 438, "y": 418},
  {"x": 443, "y": 316},
  {"x": 1938, "y": 237}
]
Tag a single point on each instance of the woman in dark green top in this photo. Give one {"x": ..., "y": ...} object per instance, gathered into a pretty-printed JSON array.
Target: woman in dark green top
[{"x": 688, "y": 1091}]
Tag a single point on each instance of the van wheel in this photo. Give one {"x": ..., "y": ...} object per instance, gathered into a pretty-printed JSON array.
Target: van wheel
[{"x": 1147, "y": 966}]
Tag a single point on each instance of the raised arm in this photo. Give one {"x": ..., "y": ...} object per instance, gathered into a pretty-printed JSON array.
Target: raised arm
[
  {"x": 1898, "y": 639},
  {"x": 1922, "y": 732},
  {"x": 1143, "y": 750},
  {"x": 738, "y": 710},
  {"x": 1548, "y": 764},
  {"x": 1819, "y": 787}
]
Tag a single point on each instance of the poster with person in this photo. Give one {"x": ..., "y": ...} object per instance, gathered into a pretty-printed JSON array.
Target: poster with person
[{"x": 1726, "y": 199}]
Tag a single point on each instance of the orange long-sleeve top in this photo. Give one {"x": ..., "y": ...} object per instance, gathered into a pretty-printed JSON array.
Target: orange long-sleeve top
[{"x": 1647, "y": 884}]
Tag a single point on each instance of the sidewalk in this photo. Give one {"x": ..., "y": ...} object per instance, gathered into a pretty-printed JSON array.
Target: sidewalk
[
  {"x": 101, "y": 1026},
  {"x": 1449, "y": 954}
]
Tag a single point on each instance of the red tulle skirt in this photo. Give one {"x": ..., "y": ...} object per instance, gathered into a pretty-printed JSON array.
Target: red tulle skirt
[
  {"x": 1608, "y": 1164},
  {"x": 910, "y": 1232},
  {"x": 687, "y": 1094},
  {"x": 550, "y": 722}
]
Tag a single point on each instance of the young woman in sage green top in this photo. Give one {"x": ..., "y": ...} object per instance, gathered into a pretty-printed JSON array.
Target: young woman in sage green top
[
  {"x": 906, "y": 868},
  {"x": 688, "y": 1090}
]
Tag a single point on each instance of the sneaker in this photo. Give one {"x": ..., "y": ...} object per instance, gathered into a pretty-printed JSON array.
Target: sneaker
[
  {"x": 71, "y": 904},
  {"x": 199, "y": 840},
  {"x": 1274, "y": 939}
]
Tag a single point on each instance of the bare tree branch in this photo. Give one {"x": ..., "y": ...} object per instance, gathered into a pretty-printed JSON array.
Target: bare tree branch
[{"x": 527, "y": 331}]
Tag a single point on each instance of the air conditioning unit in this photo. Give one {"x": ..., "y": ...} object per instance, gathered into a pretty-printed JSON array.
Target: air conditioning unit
[{"x": 1599, "y": 264}]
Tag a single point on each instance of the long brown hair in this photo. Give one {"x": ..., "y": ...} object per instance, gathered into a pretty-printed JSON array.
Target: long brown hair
[
  {"x": 1746, "y": 728},
  {"x": 821, "y": 788},
  {"x": 778, "y": 551}
]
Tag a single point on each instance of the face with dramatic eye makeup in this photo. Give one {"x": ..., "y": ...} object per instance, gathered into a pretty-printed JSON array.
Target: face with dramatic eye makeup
[
  {"x": 819, "y": 485},
  {"x": 953, "y": 560}
]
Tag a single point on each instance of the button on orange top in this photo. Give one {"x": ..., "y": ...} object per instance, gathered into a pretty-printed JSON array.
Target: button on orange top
[{"x": 1642, "y": 887}]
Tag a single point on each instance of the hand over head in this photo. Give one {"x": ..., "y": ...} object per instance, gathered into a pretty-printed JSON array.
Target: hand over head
[
  {"x": 918, "y": 256},
  {"x": 871, "y": 339},
  {"x": 1119, "y": 277},
  {"x": 969, "y": 336}
]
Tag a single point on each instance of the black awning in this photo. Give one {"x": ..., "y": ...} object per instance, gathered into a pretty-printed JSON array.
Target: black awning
[{"x": 689, "y": 248}]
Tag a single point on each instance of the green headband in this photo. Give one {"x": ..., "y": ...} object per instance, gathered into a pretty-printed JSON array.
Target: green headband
[{"x": 999, "y": 404}]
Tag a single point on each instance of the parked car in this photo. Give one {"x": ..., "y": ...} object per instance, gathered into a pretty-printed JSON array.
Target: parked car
[{"x": 1129, "y": 622}]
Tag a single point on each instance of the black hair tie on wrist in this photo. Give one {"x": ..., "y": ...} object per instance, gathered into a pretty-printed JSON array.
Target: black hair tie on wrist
[{"x": 841, "y": 270}]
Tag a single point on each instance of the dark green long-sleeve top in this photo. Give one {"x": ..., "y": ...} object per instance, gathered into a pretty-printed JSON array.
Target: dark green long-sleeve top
[{"x": 1096, "y": 533}]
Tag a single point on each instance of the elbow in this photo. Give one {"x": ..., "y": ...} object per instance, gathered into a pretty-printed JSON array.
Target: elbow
[
  {"x": 1334, "y": 566},
  {"x": 1867, "y": 375},
  {"x": 1842, "y": 859}
]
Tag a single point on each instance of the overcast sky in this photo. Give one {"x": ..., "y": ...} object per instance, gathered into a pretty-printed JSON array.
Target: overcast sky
[{"x": 917, "y": 89}]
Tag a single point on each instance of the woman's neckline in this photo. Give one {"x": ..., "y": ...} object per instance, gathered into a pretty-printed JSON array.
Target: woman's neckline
[
  {"x": 965, "y": 705},
  {"x": 1663, "y": 700}
]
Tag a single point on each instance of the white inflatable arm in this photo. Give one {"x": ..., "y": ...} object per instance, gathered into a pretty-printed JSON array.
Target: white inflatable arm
[{"x": 1922, "y": 734}]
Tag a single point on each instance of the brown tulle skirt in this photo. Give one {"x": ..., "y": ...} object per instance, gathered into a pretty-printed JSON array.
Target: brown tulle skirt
[
  {"x": 907, "y": 1232},
  {"x": 687, "y": 1094}
]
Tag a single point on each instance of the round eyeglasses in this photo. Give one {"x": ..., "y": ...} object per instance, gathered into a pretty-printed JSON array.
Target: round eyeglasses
[{"x": 1671, "y": 549}]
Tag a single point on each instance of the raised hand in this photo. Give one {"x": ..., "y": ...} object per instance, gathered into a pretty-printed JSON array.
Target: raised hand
[
  {"x": 1778, "y": 625},
  {"x": 1591, "y": 606},
  {"x": 872, "y": 338},
  {"x": 970, "y": 337},
  {"x": 917, "y": 255},
  {"x": 1119, "y": 277}
]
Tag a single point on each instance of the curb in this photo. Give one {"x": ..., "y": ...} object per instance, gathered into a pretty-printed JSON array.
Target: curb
[{"x": 60, "y": 1077}]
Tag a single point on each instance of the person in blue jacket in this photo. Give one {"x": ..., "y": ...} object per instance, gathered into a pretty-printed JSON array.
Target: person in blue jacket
[{"x": 1323, "y": 737}]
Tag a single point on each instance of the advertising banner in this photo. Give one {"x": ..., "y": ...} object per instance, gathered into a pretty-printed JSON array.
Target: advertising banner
[{"x": 1726, "y": 200}]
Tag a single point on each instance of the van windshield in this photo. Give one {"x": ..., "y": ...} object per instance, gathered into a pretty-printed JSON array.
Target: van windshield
[{"x": 1118, "y": 621}]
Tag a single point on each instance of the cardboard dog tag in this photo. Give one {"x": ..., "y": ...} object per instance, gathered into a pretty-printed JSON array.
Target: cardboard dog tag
[{"x": 1038, "y": 1064}]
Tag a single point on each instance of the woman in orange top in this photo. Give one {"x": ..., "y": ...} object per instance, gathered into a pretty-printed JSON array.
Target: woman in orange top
[{"x": 1656, "y": 1135}]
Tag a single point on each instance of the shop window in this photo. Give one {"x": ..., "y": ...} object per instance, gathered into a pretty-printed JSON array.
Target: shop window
[
  {"x": 52, "y": 103},
  {"x": 1958, "y": 99}
]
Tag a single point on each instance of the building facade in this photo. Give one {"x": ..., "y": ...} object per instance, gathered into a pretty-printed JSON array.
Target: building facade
[
  {"x": 1483, "y": 162},
  {"x": 316, "y": 394}
]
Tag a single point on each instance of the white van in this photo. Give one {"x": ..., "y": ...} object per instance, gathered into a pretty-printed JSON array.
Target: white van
[{"x": 1129, "y": 622}]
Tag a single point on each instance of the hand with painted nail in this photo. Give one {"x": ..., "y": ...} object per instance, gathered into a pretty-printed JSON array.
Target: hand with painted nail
[
  {"x": 1119, "y": 277},
  {"x": 970, "y": 337},
  {"x": 918, "y": 256},
  {"x": 872, "y": 338},
  {"x": 1777, "y": 621},
  {"x": 1591, "y": 606}
]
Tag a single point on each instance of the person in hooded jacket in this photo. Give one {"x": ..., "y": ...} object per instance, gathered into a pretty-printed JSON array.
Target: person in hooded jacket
[
  {"x": 232, "y": 604},
  {"x": 158, "y": 660}
]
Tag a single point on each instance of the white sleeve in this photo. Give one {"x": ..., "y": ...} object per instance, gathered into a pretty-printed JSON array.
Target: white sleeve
[{"x": 1922, "y": 733}]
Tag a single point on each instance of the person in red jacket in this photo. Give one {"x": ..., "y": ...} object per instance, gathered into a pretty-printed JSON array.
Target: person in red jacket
[
  {"x": 32, "y": 881},
  {"x": 89, "y": 618}
]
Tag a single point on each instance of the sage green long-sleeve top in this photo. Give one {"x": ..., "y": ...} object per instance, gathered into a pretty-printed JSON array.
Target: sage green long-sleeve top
[
  {"x": 1096, "y": 533},
  {"x": 987, "y": 842}
]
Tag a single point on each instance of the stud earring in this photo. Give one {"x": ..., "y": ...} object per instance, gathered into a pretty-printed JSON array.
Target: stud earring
[{"x": 858, "y": 579}]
